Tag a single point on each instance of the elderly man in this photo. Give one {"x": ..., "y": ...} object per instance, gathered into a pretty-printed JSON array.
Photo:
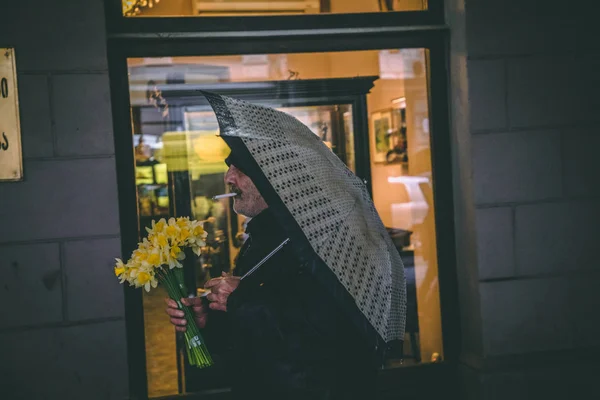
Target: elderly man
[
  {"x": 286, "y": 338},
  {"x": 315, "y": 320}
]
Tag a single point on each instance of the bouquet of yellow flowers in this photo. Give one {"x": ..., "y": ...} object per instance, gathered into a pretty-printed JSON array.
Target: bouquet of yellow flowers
[{"x": 157, "y": 260}]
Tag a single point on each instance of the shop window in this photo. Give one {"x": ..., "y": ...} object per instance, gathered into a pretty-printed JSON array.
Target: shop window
[
  {"x": 219, "y": 8},
  {"x": 354, "y": 101}
]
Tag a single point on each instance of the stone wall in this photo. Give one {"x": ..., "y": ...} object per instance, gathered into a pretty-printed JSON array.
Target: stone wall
[
  {"x": 62, "y": 331},
  {"x": 524, "y": 81}
]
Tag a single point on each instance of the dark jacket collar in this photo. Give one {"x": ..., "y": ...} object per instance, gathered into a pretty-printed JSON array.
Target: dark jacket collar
[{"x": 264, "y": 224}]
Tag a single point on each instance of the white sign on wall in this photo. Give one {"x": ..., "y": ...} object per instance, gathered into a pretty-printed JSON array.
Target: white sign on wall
[{"x": 11, "y": 160}]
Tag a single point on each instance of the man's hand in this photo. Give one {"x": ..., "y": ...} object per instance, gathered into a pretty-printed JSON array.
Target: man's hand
[
  {"x": 177, "y": 316},
  {"x": 220, "y": 289}
]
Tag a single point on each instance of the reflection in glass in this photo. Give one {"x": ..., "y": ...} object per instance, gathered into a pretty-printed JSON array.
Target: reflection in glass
[
  {"x": 349, "y": 100},
  {"x": 403, "y": 193},
  {"x": 220, "y": 8}
]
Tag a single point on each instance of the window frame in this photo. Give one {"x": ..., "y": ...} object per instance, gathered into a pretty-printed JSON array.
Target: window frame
[
  {"x": 162, "y": 37},
  {"x": 262, "y": 25}
]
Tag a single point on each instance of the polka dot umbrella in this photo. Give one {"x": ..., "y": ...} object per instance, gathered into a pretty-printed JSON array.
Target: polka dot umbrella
[{"x": 325, "y": 209}]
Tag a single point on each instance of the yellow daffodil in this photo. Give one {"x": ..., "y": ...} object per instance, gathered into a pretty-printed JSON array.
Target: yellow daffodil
[
  {"x": 130, "y": 275},
  {"x": 146, "y": 280},
  {"x": 171, "y": 232},
  {"x": 119, "y": 271},
  {"x": 199, "y": 231},
  {"x": 140, "y": 255},
  {"x": 197, "y": 250},
  {"x": 119, "y": 268},
  {"x": 184, "y": 234},
  {"x": 182, "y": 222},
  {"x": 154, "y": 258},
  {"x": 174, "y": 255},
  {"x": 164, "y": 246},
  {"x": 161, "y": 240},
  {"x": 143, "y": 277},
  {"x": 157, "y": 227},
  {"x": 175, "y": 250}
]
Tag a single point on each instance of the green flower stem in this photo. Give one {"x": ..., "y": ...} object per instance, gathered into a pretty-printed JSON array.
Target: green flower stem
[
  {"x": 191, "y": 356},
  {"x": 197, "y": 355}
]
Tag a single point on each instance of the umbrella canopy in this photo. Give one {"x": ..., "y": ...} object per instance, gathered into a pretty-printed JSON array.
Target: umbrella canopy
[{"x": 326, "y": 211}]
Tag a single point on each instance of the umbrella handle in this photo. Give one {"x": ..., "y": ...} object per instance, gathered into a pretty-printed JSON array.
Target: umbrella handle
[{"x": 264, "y": 260}]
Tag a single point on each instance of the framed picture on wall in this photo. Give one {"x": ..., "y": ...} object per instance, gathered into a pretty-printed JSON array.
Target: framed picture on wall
[
  {"x": 381, "y": 128},
  {"x": 398, "y": 152},
  {"x": 388, "y": 133}
]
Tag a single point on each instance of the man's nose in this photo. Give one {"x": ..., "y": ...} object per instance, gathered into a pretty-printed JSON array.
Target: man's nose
[{"x": 230, "y": 175}]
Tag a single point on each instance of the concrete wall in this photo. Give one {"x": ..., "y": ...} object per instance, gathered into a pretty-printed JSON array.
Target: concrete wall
[
  {"x": 62, "y": 332},
  {"x": 524, "y": 108}
]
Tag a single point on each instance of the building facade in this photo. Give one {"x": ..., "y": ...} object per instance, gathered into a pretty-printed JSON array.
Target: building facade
[{"x": 521, "y": 139}]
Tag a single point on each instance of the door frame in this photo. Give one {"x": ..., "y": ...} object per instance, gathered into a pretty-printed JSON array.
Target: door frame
[{"x": 161, "y": 37}]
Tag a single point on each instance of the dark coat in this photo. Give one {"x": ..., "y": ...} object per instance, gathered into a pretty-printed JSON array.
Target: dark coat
[{"x": 287, "y": 339}]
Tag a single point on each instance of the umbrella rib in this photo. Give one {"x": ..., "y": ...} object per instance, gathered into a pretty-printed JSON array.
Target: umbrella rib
[{"x": 264, "y": 260}]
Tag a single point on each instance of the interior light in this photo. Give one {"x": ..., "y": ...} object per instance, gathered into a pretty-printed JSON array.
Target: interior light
[{"x": 399, "y": 100}]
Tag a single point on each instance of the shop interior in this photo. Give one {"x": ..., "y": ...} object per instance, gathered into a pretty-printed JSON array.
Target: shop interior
[
  {"x": 219, "y": 8},
  {"x": 370, "y": 108}
]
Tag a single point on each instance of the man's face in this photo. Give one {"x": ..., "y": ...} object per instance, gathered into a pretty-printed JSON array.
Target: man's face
[{"x": 248, "y": 201}]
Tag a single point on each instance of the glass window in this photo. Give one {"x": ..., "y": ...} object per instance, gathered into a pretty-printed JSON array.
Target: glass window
[
  {"x": 220, "y": 8},
  {"x": 354, "y": 101}
]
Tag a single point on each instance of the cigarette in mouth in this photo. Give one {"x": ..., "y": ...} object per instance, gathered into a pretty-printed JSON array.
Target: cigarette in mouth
[{"x": 223, "y": 196}]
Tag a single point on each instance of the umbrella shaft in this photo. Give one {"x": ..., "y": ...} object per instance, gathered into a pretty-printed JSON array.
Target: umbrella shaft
[{"x": 264, "y": 260}]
